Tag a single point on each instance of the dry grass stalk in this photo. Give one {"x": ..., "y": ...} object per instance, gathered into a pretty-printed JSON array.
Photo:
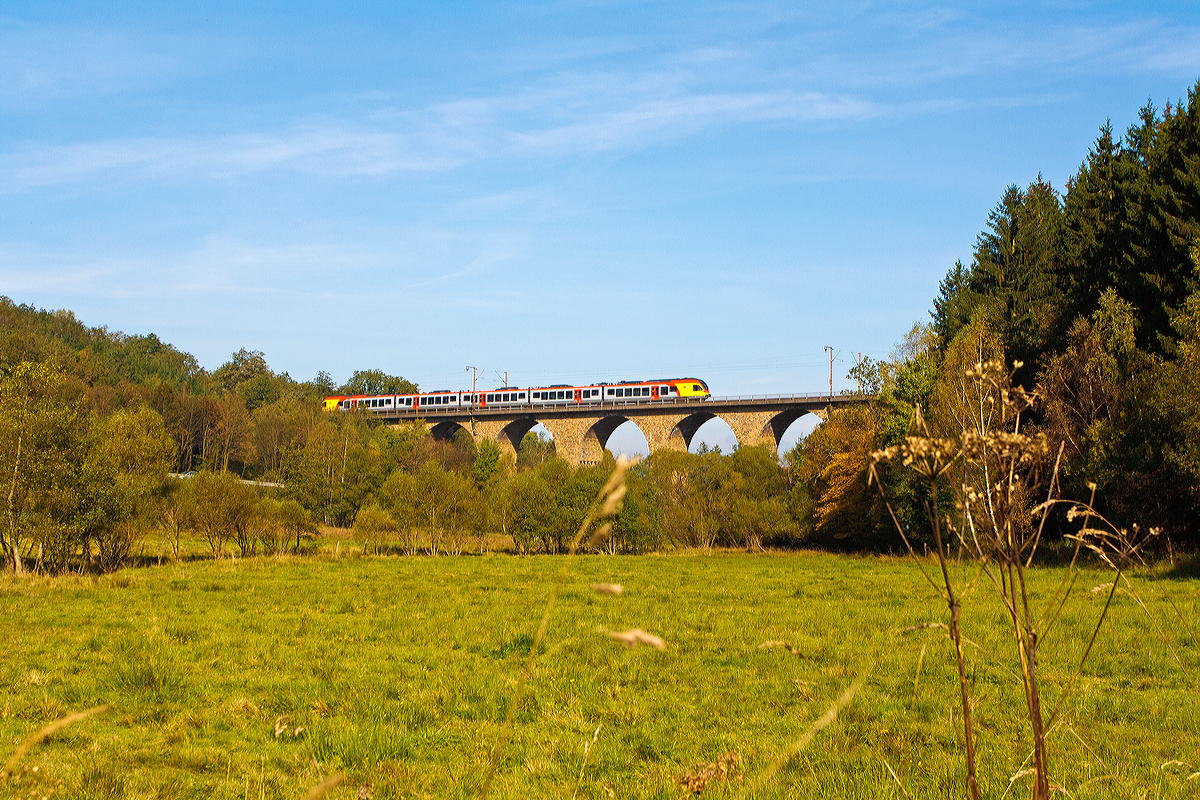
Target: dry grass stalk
[
  {"x": 917, "y": 676},
  {"x": 821, "y": 724},
  {"x": 587, "y": 748},
  {"x": 607, "y": 503},
  {"x": 43, "y": 734},
  {"x": 784, "y": 645},
  {"x": 892, "y": 772},
  {"x": 322, "y": 788}
]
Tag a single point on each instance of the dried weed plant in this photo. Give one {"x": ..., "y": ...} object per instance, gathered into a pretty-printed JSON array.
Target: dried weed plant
[
  {"x": 994, "y": 470},
  {"x": 606, "y": 504},
  {"x": 728, "y": 766}
]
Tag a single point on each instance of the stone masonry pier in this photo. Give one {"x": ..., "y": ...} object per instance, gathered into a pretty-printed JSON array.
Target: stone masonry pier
[{"x": 581, "y": 431}]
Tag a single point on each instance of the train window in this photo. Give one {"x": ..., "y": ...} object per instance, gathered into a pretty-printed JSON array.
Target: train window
[
  {"x": 521, "y": 396},
  {"x": 697, "y": 387},
  {"x": 610, "y": 391}
]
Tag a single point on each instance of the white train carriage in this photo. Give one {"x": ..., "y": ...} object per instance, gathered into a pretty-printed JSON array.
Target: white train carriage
[
  {"x": 561, "y": 395},
  {"x": 504, "y": 397}
]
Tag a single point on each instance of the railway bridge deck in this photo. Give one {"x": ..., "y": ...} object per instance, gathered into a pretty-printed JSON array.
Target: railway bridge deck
[{"x": 581, "y": 431}]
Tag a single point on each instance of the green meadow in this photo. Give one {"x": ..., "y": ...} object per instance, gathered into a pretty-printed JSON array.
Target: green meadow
[{"x": 259, "y": 678}]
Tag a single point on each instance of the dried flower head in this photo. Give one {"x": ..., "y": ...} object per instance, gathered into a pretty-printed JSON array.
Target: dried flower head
[
  {"x": 612, "y": 503},
  {"x": 600, "y": 536},
  {"x": 636, "y": 636}
]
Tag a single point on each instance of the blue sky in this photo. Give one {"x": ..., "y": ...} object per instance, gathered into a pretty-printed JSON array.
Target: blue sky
[{"x": 567, "y": 191}]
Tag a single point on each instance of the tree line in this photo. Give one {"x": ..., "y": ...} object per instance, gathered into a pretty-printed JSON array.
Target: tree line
[{"x": 93, "y": 422}]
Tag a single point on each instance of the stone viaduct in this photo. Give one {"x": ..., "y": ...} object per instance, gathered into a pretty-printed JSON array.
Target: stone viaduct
[{"x": 581, "y": 431}]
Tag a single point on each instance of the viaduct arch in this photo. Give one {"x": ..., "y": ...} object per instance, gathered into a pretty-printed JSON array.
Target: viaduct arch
[{"x": 581, "y": 436}]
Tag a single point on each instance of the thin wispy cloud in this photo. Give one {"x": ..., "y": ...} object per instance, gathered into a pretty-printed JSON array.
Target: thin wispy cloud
[
  {"x": 316, "y": 149},
  {"x": 575, "y": 112},
  {"x": 439, "y": 138}
]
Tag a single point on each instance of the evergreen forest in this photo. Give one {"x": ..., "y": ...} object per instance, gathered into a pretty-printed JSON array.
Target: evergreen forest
[{"x": 1090, "y": 295}]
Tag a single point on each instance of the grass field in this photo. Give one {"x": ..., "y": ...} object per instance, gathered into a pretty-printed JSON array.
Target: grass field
[{"x": 257, "y": 678}]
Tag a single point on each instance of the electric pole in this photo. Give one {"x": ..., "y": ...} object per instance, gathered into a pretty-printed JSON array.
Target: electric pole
[
  {"x": 830, "y": 349},
  {"x": 474, "y": 373}
]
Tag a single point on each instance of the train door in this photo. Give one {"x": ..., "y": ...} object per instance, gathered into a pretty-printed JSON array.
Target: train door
[
  {"x": 653, "y": 392},
  {"x": 578, "y": 395}
]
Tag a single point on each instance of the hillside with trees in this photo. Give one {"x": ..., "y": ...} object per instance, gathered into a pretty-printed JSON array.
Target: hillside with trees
[
  {"x": 1093, "y": 293},
  {"x": 93, "y": 422}
]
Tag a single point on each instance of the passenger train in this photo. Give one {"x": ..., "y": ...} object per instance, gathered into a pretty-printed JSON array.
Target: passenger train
[{"x": 512, "y": 396}]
